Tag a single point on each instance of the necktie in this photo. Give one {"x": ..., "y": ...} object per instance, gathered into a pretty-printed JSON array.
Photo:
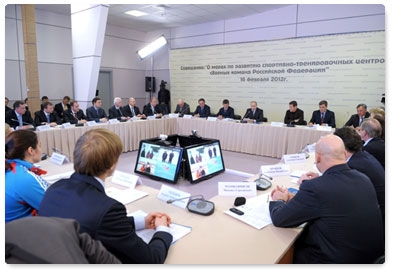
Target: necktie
[
  {"x": 253, "y": 113},
  {"x": 48, "y": 119},
  {"x": 322, "y": 117},
  {"x": 75, "y": 115},
  {"x": 20, "y": 120},
  {"x": 360, "y": 121},
  {"x": 119, "y": 112},
  {"x": 153, "y": 110},
  {"x": 133, "y": 113},
  {"x": 97, "y": 112},
  {"x": 64, "y": 107}
]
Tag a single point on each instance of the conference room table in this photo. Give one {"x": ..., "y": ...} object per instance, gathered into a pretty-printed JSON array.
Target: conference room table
[
  {"x": 217, "y": 238},
  {"x": 257, "y": 139}
]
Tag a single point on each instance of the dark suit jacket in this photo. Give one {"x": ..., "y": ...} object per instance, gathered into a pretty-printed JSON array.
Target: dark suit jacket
[
  {"x": 69, "y": 117},
  {"x": 291, "y": 116},
  {"x": 258, "y": 116},
  {"x": 83, "y": 198},
  {"x": 40, "y": 116},
  {"x": 59, "y": 109},
  {"x": 354, "y": 120},
  {"x": 147, "y": 111},
  {"x": 343, "y": 218},
  {"x": 185, "y": 110},
  {"x": 7, "y": 109},
  {"x": 12, "y": 119},
  {"x": 91, "y": 114},
  {"x": 203, "y": 113},
  {"x": 114, "y": 113},
  {"x": 376, "y": 147},
  {"x": 127, "y": 112},
  {"x": 329, "y": 118},
  {"x": 230, "y": 113},
  {"x": 369, "y": 165}
]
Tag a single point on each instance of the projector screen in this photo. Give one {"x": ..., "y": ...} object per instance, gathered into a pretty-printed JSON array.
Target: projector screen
[{"x": 344, "y": 69}]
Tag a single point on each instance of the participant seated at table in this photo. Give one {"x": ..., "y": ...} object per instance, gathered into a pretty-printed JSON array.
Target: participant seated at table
[
  {"x": 254, "y": 114},
  {"x": 357, "y": 119},
  {"x": 96, "y": 156},
  {"x": 47, "y": 116},
  {"x": 202, "y": 110},
  {"x": 340, "y": 209},
  {"x": 62, "y": 106},
  {"x": 131, "y": 110},
  {"x": 370, "y": 133},
  {"x": 19, "y": 118},
  {"x": 379, "y": 114},
  {"x": 24, "y": 188},
  {"x": 95, "y": 112},
  {"x": 364, "y": 162},
  {"x": 152, "y": 108},
  {"x": 182, "y": 108},
  {"x": 226, "y": 111},
  {"x": 74, "y": 114},
  {"x": 294, "y": 115},
  {"x": 116, "y": 110},
  {"x": 323, "y": 116}
]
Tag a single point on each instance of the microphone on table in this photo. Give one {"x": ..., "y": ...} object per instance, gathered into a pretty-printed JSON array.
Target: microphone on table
[
  {"x": 290, "y": 124},
  {"x": 25, "y": 123},
  {"x": 198, "y": 205},
  {"x": 246, "y": 115}
]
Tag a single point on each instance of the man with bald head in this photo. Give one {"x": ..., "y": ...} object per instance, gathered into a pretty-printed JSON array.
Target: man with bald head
[
  {"x": 340, "y": 208},
  {"x": 182, "y": 108},
  {"x": 131, "y": 110},
  {"x": 373, "y": 143}
]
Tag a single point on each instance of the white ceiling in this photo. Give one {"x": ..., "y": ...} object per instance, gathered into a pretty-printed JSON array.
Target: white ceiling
[{"x": 170, "y": 15}]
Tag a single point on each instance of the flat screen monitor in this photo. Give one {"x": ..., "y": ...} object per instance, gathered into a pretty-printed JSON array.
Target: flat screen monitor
[
  {"x": 158, "y": 161},
  {"x": 204, "y": 160}
]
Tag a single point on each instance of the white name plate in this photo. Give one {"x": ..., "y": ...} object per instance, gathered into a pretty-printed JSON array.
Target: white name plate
[
  {"x": 167, "y": 193},
  {"x": 126, "y": 179},
  {"x": 43, "y": 127},
  {"x": 151, "y": 117},
  {"x": 276, "y": 124},
  {"x": 324, "y": 128},
  {"x": 91, "y": 123},
  {"x": 237, "y": 188},
  {"x": 311, "y": 148},
  {"x": 173, "y": 115},
  {"x": 275, "y": 170},
  {"x": 66, "y": 125},
  {"x": 187, "y": 116},
  {"x": 211, "y": 118},
  {"x": 58, "y": 159},
  {"x": 113, "y": 121},
  {"x": 294, "y": 158}
]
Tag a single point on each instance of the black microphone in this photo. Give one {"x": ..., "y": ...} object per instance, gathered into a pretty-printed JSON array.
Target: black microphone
[
  {"x": 25, "y": 123},
  {"x": 174, "y": 200},
  {"x": 246, "y": 115},
  {"x": 290, "y": 124}
]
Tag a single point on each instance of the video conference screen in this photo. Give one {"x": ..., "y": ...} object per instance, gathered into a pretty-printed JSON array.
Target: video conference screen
[
  {"x": 159, "y": 162},
  {"x": 204, "y": 160}
]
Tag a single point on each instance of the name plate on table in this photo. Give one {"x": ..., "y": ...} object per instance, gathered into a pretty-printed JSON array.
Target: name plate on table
[
  {"x": 310, "y": 148},
  {"x": 211, "y": 118},
  {"x": 113, "y": 121},
  {"x": 173, "y": 115},
  {"x": 237, "y": 188},
  {"x": 276, "y": 124},
  {"x": 151, "y": 117},
  {"x": 43, "y": 127},
  {"x": 66, "y": 125},
  {"x": 126, "y": 179},
  {"x": 324, "y": 128},
  {"x": 294, "y": 158},
  {"x": 275, "y": 170},
  {"x": 187, "y": 116},
  {"x": 58, "y": 159},
  {"x": 91, "y": 123},
  {"x": 167, "y": 193}
]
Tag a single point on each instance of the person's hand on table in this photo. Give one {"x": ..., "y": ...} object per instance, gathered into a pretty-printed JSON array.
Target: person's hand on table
[
  {"x": 155, "y": 219},
  {"x": 307, "y": 176}
]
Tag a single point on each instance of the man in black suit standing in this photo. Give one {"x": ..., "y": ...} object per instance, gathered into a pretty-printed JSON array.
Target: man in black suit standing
[
  {"x": 323, "y": 116},
  {"x": 202, "y": 110},
  {"x": 131, "y": 110},
  {"x": 340, "y": 208},
  {"x": 164, "y": 97},
  {"x": 6, "y": 105},
  {"x": 74, "y": 115},
  {"x": 254, "y": 114},
  {"x": 294, "y": 115},
  {"x": 357, "y": 119},
  {"x": 95, "y": 112},
  {"x": 47, "y": 116},
  {"x": 62, "y": 106},
  {"x": 152, "y": 108},
  {"x": 226, "y": 111},
  {"x": 370, "y": 133},
  {"x": 182, "y": 108},
  {"x": 116, "y": 111},
  {"x": 19, "y": 118}
]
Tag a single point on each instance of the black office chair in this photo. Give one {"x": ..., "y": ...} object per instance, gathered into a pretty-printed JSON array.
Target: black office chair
[{"x": 264, "y": 119}]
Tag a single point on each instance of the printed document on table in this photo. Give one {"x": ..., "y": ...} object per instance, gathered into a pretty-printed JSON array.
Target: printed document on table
[
  {"x": 125, "y": 196},
  {"x": 256, "y": 211}
]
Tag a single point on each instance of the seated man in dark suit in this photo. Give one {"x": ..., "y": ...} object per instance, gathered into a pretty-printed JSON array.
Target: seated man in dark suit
[
  {"x": 152, "y": 108},
  {"x": 95, "y": 112},
  {"x": 254, "y": 114},
  {"x": 131, "y": 110},
  {"x": 19, "y": 118},
  {"x": 364, "y": 162},
  {"x": 341, "y": 203},
  {"x": 47, "y": 116},
  {"x": 74, "y": 115},
  {"x": 96, "y": 155},
  {"x": 116, "y": 111},
  {"x": 182, "y": 108},
  {"x": 323, "y": 116},
  {"x": 357, "y": 119},
  {"x": 370, "y": 133},
  {"x": 226, "y": 111},
  {"x": 294, "y": 115},
  {"x": 62, "y": 106},
  {"x": 202, "y": 110}
]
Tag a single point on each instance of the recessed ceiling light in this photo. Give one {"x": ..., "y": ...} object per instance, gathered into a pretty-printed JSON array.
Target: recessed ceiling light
[{"x": 136, "y": 13}]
